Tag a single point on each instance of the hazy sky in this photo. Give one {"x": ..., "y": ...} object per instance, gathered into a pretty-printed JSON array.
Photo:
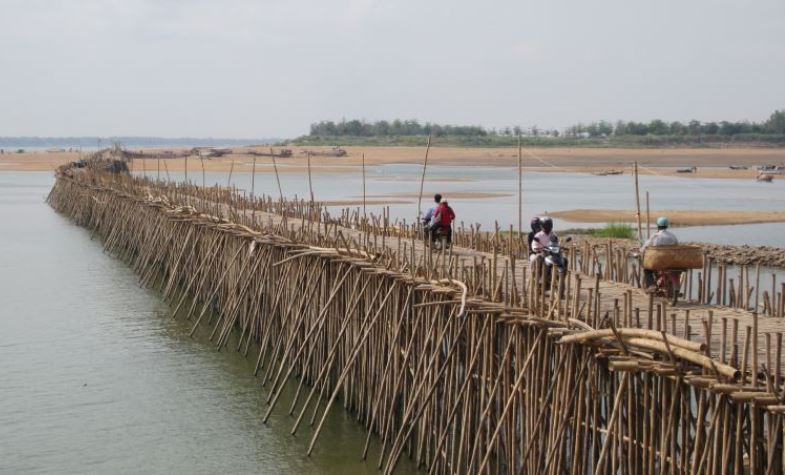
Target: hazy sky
[{"x": 255, "y": 68}]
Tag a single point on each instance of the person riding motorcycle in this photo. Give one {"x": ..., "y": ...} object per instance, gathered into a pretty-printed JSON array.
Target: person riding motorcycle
[
  {"x": 442, "y": 221},
  {"x": 536, "y": 226},
  {"x": 662, "y": 237},
  {"x": 542, "y": 238},
  {"x": 428, "y": 217},
  {"x": 546, "y": 248}
]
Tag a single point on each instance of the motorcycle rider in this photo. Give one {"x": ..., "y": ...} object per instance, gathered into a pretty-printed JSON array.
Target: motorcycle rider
[
  {"x": 542, "y": 238},
  {"x": 427, "y": 219},
  {"x": 662, "y": 237},
  {"x": 442, "y": 219},
  {"x": 542, "y": 241},
  {"x": 536, "y": 226}
]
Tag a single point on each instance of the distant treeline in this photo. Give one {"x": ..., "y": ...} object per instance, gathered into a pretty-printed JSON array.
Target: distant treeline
[
  {"x": 598, "y": 134},
  {"x": 775, "y": 125},
  {"x": 134, "y": 142},
  {"x": 383, "y": 128}
]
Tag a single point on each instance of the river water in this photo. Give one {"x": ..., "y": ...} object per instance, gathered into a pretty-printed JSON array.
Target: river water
[
  {"x": 96, "y": 377},
  {"x": 543, "y": 192}
]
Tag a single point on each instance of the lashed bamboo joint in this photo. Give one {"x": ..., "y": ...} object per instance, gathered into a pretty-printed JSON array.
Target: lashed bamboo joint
[{"x": 462, "y": 360}]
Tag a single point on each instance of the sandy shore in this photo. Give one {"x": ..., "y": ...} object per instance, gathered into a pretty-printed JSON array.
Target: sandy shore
[
  {"x": 369, "y": 202},
  {"x": 408, "y": 198},
  {"x": 452, "y": 195},
  {"x": 677, "y": 217},
  {"x": 711, "y": 163}
]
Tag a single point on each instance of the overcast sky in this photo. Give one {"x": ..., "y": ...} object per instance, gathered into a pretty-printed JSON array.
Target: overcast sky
[{"x": 255, "y": 68}]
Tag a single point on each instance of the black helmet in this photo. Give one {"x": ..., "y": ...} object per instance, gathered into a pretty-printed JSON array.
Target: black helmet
[
  {"x": 536, "y": 224},
  {"x": 547, "y": 224},
  {"x": 437, "y": 197}
]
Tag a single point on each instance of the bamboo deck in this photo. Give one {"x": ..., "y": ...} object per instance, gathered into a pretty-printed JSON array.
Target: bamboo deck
[{"x": 456, "y": 359}]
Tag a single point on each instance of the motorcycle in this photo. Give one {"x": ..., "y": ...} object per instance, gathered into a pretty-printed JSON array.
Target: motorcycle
[
  {"x": 553, "y": 258},
  {"x": 667, "y": 284},
  {"x": 440, "y": 239}
]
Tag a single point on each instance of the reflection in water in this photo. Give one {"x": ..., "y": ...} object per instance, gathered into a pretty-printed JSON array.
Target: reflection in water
[{"x": 95, "y": 376}]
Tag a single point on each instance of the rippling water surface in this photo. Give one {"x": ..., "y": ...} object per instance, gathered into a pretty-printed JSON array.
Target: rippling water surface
[{"x": 96, "y": 377}]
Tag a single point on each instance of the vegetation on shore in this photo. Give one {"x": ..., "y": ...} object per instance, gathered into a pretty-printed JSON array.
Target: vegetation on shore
[
  {"x": 611, "y": 230},
  {"x": 656, "y": 133}
]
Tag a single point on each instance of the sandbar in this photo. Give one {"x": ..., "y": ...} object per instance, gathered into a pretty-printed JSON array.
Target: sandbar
[
  {"x": 677, "y": 217},
  {"x": 710, "y": 162}
]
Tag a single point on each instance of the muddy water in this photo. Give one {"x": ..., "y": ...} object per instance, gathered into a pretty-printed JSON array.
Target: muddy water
[{"x": 95, "y": 377}]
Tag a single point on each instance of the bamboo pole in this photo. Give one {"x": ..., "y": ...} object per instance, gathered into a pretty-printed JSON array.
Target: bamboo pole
[
  {"x": 310, "y": 181},
  {"x": 422, "y": 179},
  {"x": 648, "y": 217},
  {"x": 520, "y": 188},
  {"x": 277, "y": 178},
  {"x": 637, "y": 202}
]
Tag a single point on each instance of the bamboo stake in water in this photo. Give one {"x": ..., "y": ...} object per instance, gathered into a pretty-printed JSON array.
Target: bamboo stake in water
[
  {"x": 229, "y": 179},
  {"x": 310, "y": 183},
  {"x": 520, "y": 188},
  {"x": 364, "y": 215},
  {"x": 253, "y": 188},
  {"x": 422, "y": 179},
  {"x": 648, "y": 217},
  {"x": 253, "y": 177},
  {"x": 637, "y": 203},
  {"x": 204, "y": 180},
  {"x": 277, "y": 178}
]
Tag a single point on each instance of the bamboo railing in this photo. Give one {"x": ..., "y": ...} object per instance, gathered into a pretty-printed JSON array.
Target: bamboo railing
[{"x": 463, "y": 361}]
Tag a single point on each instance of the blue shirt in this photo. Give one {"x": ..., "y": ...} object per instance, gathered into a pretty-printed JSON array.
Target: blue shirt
[{"x": 429, "y": 214}]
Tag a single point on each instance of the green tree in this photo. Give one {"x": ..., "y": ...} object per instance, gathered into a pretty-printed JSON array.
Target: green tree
[
  {"x": 677, "y": 128},
  {"x": 711, "y": 128},
  {"x": 658, "y": 127},
  {"x": 776, "y": 123}
]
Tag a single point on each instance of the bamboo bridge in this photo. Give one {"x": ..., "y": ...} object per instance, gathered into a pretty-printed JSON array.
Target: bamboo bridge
[{"x": 457, "y": 359}]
